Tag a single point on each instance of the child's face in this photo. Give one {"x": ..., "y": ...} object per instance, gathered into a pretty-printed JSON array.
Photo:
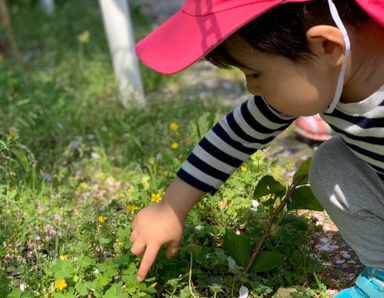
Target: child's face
[{"x": 289, "y": 87}]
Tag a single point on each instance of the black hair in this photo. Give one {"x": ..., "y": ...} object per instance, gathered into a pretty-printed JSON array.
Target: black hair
[{"x": 282, "y": 30}]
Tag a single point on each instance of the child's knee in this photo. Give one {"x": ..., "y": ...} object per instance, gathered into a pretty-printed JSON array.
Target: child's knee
[{"x": 325, "y": 167}]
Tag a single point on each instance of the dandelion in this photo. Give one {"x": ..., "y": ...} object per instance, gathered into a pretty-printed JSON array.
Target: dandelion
[
  {"x": 102, "y": 218},
  {"x": 119, "y": 243},
  {"x": 173, "y": 126},
  {"x": 201, "y": 206},
  {"x": 132, "y": 207},
  {"x": 156, "y": 197},
  {"x": 64, "y": 258},
  {"x": 243, "y": 169},
  {"x": 61, "y": 284},
  {"x": 175, "y": 145}
]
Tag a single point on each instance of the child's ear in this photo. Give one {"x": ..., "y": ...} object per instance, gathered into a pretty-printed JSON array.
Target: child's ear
[{"x": 327, "y": 42}]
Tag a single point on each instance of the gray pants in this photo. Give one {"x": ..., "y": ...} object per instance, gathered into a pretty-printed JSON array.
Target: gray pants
[{"x": 353, "y": 196}]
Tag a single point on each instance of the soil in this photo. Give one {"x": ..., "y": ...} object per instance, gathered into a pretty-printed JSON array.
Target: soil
[{"x": 341, "y": 265}]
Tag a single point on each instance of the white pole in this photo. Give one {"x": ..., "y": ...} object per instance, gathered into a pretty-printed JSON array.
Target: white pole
[
  {"x": 48, "y": 6},
  {"x": 118, "y": 26}
]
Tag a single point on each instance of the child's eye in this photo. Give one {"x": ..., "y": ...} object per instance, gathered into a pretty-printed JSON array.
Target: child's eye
[{"x": 253, "y": 76}]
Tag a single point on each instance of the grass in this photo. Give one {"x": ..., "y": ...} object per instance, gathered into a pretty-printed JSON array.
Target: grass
[{"x": 76, "y": 166}]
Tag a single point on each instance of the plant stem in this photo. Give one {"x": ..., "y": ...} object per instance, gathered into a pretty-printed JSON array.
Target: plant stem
[
  {"x": 271, "y": 220},
  {"x": 190, "y": 278}
]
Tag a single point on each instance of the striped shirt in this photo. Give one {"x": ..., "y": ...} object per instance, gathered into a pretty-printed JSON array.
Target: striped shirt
[{"x": 254, "y": 123}]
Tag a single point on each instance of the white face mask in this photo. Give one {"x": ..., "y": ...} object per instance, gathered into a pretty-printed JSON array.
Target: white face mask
[{"x": 340, "y": 81}]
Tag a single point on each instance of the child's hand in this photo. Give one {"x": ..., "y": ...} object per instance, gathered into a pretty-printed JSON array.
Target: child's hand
[{"x": 153, "y": 227}]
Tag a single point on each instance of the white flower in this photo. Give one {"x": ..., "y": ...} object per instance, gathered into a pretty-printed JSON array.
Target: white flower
[
  {"x": 22, "y": 287},
  {"x": 255, "y": 205},
  {"x": 198, "y": 228},
  {"x": 95, "y": 155},
  {"x": 243, "y": 293},
  {"x": 231, "y": 263}
]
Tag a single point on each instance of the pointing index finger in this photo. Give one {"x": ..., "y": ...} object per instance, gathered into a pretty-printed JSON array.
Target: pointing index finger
[{"x": 147, "y": 261}]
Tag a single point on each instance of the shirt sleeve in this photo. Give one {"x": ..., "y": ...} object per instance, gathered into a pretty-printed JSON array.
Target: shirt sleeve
[{"x": 231, "y": 142}]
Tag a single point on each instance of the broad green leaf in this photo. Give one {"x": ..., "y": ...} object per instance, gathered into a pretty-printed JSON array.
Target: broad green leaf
[
  {"x": 238, "y": 247},
  {"x": 103, "y": 240},
  {"x": 108, "y": 268},
  {"x": 69, "y": 293},
  {"x": 102, "y": 279},
  {"x": 81, "y": 288},
  {"x": 12, "y": 194},
  {"x": 303, "y": 170},
  {"x": 16, "y": 293},
  {"x": 85, "y": 261},
  {"x": 268, "y": 185},
  {"x": 62, "y": 269},
  {"x": 267, "y": 260},
  {"x": 92, "y": 286},
  {"x": 130, "y": 280},
  {"x": 303, "y": 198},
  {"x": 115, "y": 292},
  {"x": 295, "y": 222},
  {"x": 131, "y": 269},
  {"x": 191, "y": 247}
]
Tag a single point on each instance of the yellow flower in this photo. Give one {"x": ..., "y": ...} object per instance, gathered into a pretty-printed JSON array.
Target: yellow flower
[
  {"x": 63, "y": 258},
  {"x": 173, "y": 126},
  {"x": 156, "y": 197},
  {"x": 61, "y": 284},
  {"x": 243, "y": 169},
  {"x": 13, "y": 133},
  {"x": 132, "y": 207},
  {"x": 100, "y": 176},
  {"x": 119, "y": 243},
  {"x": 84, "y": 37},
  {"x": 201, "y": 206},
  {"x": 83, "y": 187},
  {"x": 102, "y": 218},
  {"x": 175, "y": 145}
]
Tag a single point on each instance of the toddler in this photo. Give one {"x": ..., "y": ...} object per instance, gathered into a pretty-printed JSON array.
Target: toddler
[{"x": 299, "y": 58}]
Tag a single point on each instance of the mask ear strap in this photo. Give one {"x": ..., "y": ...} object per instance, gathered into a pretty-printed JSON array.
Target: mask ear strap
[{"x": 340, "y": 80}]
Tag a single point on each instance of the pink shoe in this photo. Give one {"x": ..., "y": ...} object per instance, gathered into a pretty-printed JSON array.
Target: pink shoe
[{"x": 313, "y": 127}]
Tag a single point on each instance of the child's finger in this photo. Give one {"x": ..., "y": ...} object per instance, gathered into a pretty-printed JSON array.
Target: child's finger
[
  {"x": 138, "y": 248},
  {"x": 172, "y": 249},
  {"x": 148, "y": 259},
  {"x": 133, "y": 236},
  {"x": 133, "y": 224}
]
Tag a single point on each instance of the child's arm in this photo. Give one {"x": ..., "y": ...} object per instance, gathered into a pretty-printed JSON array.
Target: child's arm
[
  {"x": 223, "y": 149},
  {"x": 162, "y": 223}
]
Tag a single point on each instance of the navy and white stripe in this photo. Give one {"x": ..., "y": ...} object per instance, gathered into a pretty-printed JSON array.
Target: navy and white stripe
[
  {"x": 230, "y": 142},
  {"x": 361, "y": 126}
]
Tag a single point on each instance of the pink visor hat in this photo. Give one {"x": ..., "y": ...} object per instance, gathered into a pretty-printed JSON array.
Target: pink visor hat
[{"x": 203, "y": 24}]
